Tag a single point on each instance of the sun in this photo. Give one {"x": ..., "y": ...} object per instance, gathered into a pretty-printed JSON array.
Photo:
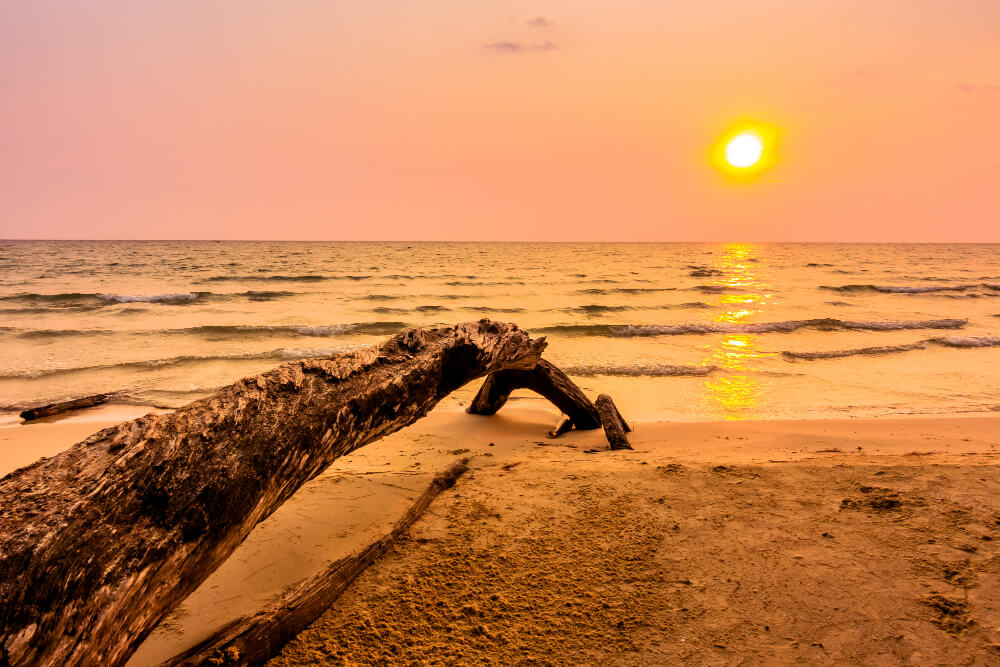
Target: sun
[{"x": 744, "y": 150}]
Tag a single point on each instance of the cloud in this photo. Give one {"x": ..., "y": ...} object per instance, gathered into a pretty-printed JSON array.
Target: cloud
[
  {"x": 978, "y": 88},
  {"x": 539, "y": 22},
  {"x": 520, "y": 47}
]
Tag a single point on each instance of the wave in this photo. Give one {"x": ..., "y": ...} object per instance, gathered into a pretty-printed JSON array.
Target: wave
[
  {"x": 490, "y": 309},
  {"x": 945, "y": 341},
  {"x": 971, "y": 341},
  {"x": 834, "y": 354},
  {"x": 278, "y": 354},
  {"x": 309, "y": 278},
  {"x": 697, "y": 328},
  {"x": 477, "y": 283},
  {"x": 265, "y": 295},
  {"x": 625, "y": 290},
  {"x": 244, "y": 330},
  {"x": 910, "y": 289},
  {"x": 379, "y": 297},
  {"x": 717, "y": 289},
  {"x": 224, "y": 332},
  {"x": 93, "y": 300},
  {"x": 641, "y": 370},
  {"x": 596, "y": 309}
]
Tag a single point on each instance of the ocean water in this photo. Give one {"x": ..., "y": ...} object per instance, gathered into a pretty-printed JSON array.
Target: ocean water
[{"x": 692, "y": 332}]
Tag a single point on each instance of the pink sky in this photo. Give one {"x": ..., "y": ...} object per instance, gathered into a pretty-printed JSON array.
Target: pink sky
[{"x": 552, "y": 120}]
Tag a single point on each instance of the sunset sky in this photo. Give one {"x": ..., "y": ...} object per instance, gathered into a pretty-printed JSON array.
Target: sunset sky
[{"x": 551, "y": 120}]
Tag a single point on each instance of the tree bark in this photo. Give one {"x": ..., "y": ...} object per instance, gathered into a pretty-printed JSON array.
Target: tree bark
[
  {"x": 544, "y": 379},
  {"x": 614, "y": 424},
  {"x": 98, "y": 543},
  {"x": 254, "y": 639}
]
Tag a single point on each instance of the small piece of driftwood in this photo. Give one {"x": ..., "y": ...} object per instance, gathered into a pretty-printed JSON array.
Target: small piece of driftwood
[
  {"x": 544, "y": 379},
  {"x": 614, "y": 424},
  {"x": 564, "y": 425},
  {"x": 64, "y": 406},
  {"x": 253, "y": 640}
]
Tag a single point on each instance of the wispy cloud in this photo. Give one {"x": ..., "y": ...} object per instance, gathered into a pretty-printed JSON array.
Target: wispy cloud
[
  {"x": 520, "y": 47},
  {"x": 539, "y": 22},
  {"x": 978, "y": 88}
]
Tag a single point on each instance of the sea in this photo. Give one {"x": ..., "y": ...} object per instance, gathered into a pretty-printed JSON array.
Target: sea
[{"x": 673, "y": 331}]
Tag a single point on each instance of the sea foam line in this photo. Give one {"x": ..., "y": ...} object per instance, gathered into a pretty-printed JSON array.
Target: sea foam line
[
  {"x": 701, "y": 328},
  {"x": 962, "y": 342}
]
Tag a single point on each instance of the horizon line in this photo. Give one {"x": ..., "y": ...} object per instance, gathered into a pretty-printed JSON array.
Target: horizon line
[{"x": 253, "y": 240}]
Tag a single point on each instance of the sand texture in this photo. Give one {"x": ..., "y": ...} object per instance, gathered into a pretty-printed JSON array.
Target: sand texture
[
  {"x": 787, "y": 552},
  {"x": 779, "y": 542}
]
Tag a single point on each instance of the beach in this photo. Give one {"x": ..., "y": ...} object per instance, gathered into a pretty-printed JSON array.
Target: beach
[{"x": 860, "y": 540}]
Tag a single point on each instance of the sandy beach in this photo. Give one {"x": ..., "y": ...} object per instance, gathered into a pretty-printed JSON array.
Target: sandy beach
[{"x": 872, "y": 541}]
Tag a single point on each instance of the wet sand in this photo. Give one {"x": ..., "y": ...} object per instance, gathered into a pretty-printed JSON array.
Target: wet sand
[{"x": 873, "y": 541}]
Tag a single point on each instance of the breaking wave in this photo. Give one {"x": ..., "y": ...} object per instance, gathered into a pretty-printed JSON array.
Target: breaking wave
[
  {"x": 697, "y": 328},
  {"x": 910, "y": 289},
  {"x": 279, "y": 354},
  {"x": 945, "y": 341},
  {"x": 971, "y": 341},
  {"x": 226, "y": 332},
  {"x": 90, "y": 301},
  {"x": 625, "y": 290},
  {"x": 309, "y": 278},
  {"x": 641, "y": 370},
  {"x": 834, "y": 354}
]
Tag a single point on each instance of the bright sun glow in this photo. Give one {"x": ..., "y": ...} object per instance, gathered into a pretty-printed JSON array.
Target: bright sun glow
[
  {"x": 748, "y": 149},
  {"x": 744, "y": 150}
]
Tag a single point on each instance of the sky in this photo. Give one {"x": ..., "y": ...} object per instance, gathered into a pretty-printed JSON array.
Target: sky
[{"x": 550, "y": 120}]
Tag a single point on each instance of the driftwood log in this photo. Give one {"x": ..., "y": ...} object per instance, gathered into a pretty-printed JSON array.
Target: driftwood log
[
  {"x": 615, "y": 426},
  {"x": 98, "y": 543},
  {"x": 253, "y": 640},
  {"x": 546, "y": 380},
  {"x": 64, "y": 406}
]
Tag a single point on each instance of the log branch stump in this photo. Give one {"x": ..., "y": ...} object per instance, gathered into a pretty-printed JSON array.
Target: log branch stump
[{"x": 615, "y": 426}]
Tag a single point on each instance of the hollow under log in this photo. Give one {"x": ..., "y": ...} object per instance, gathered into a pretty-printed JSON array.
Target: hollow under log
[
  {"x": 544, "y": 379},
  {"x": 98, "y": 543}
]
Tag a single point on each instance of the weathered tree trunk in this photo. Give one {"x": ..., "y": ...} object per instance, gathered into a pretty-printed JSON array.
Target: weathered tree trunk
[
  {"x": 64, "y": 406},
  {"x": 544, "y": 379},
  {"x": 614, "y": 424},
  {"x": 253, "y": 640},
  {"x": 99, "y": 542}
]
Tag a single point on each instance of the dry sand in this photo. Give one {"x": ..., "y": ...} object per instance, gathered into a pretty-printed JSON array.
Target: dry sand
[{"x": 862, "y": 541}]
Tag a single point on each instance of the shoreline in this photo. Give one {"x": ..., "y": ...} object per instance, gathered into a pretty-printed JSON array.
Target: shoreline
[{"x": 48, "y": 436}]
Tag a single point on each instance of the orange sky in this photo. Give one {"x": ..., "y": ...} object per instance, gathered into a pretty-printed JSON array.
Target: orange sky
[{"x": 558, "y": 120}]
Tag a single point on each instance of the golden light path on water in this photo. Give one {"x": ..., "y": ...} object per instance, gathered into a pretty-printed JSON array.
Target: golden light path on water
[{"x": 735, "y": 392}]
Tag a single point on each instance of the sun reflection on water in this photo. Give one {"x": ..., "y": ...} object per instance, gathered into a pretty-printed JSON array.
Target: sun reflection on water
[{"x": 736, "y": 393}]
